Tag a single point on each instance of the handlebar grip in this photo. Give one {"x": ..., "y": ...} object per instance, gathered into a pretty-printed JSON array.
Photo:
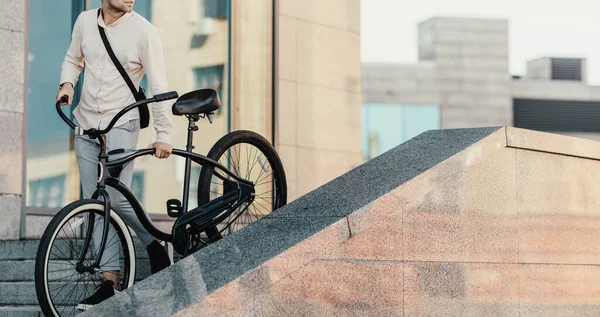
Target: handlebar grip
[
  {"x": 64, "y": 99},
  {"x": 166, "y": 96}
]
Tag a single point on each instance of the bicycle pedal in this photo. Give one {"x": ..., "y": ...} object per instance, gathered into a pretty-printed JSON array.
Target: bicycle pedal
[{"x": 174, "y": 208}]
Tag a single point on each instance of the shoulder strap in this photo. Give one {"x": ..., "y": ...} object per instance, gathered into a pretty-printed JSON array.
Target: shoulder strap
[{"x": 116, "y": 61}]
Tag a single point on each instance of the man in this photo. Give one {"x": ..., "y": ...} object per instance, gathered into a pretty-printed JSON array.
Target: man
[{"x": 137, "y": 46}]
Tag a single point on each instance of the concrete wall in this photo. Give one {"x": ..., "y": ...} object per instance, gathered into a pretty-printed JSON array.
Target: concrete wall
[
  {"x": 539, "y": 69},
  {"x": 12, "y": 107},
  {"x": 413, "y": 84},
  {"x": 554, "y": 90},
  {"x": 471, "y": 57}
]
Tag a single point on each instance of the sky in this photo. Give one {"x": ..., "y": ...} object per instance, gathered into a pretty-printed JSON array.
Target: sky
[{"x": 536, "y": 28}]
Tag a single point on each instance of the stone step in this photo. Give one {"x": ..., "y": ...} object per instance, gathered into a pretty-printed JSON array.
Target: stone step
[
  {"x": 23, "y": 271},
  {"x": 23, "y": 293},
  {"x": 18, "y": 250},
  {"x": 20, "y": 311},
  {"x": 17, "y": 293},
  {"x": 27, "y": 249}
]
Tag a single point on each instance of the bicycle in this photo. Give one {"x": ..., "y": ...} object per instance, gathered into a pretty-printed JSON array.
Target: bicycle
[{"x": 229, "y": 195}]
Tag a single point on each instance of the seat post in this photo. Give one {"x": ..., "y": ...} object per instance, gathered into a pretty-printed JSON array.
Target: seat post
[{"x": 192, "y": 127}]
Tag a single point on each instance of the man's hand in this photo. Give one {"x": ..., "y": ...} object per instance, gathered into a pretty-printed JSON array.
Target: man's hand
[
  {"x": 66, "y": 89},
  {"x": 163, "y": 150}
]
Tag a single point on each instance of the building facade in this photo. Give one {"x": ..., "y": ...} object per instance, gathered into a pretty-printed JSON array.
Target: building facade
[
  {"x": 462, "y": 79},
  {"x": 274, "y": 63}
]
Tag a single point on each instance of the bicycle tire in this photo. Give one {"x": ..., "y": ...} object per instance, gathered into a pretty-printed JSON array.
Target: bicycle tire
[
  {"x": 227, "y": 143},
  {"x": 49, "y": 239}
]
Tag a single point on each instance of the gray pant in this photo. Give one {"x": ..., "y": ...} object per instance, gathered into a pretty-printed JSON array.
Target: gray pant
[{"x": 86, "y": 151}]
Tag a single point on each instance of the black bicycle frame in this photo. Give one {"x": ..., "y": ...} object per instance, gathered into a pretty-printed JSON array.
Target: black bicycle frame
[{"x": 106, "y": 179}]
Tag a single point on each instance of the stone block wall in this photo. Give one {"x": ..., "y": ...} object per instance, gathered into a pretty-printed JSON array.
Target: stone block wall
[
  {"x": 318, "y": 110},
  {"x": 12, "y": 107}
]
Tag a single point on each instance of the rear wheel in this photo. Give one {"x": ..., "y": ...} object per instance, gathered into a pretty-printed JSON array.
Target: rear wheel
[
  {"x": 59, "y": 286},
  {"x": 251, "y": 157}
]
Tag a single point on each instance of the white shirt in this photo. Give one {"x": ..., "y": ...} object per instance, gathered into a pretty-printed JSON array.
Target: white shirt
[{"x": 137, "y": 46}]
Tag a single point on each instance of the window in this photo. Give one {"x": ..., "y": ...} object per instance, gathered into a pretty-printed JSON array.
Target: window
[
  {"x": 47, "y": 192},
  {"x": 50, "y": 155},
  {"x": 217, "y": 9},
  {"x": 387, "y": 125},
  {"x": 210, "y": 77}
]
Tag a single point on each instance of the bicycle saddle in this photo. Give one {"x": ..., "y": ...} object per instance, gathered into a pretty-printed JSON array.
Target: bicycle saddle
[{"x": 197, "y": 102}]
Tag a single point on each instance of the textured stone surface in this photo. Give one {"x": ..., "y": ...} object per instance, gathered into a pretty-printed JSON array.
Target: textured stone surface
[
  {"x": 10, "y": 213},
  {"x": 238, "y": 296},
  {"x": 18, "y": 250},
  {"x": 11, "y": 156},
  {"x": 286, "y": 49},
  {"x": 366, "y": 225},
  {"x": 341, "y": 288},
  {"x": 36, "y": 226},
  {"x": 559, "y": 290},
  {"x": 320, "y": 109},
  {"x": 317, "y": 167},
  {"x": 318, "y": 48},
  {"x": 20, "y": 311},
  {"x": 479, "y": 224},
  {"x": 384, "y": 173},
  {"x": 552, "y": 143},
  {"x": 18, "y": 293},
  {"x": 214, "y": 267},
  {"x": 460, "y": 289},
  {"x": 11, "y": 95},
  {"x": 159, "y": 295},
  {"x": 558, "y": 209},
  {"x": 12, "y": 15},
  {"x": 339, "y": 14},
  {"x": 326, "y": 63},
  {"x": 13, "y": 56},
  {"x": 288, "y": 116},
  {"x": 12, "y": 271}
]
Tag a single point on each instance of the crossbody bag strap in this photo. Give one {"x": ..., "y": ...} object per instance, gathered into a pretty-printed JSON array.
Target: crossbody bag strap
[{"x": 116, "y": 61}]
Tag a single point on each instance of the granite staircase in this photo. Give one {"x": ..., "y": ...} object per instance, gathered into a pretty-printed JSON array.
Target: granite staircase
[{"x": 17, "y": 288}]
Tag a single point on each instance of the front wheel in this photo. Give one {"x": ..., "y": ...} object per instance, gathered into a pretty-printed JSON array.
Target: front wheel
[
  {"x": 59, "y": 285},
  {"x": 251, "y": 157}
]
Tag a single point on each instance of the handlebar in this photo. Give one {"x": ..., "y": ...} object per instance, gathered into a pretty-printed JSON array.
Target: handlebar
[{"x": 95, "y": 132}]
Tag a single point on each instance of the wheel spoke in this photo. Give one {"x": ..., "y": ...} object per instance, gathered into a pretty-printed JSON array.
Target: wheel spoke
[
  {"x": 264, "y": 177},
  {"x": 262, "y": 169}
]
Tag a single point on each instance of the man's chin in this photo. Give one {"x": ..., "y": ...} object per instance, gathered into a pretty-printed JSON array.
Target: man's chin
[{"x": 126, "y": 9}]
